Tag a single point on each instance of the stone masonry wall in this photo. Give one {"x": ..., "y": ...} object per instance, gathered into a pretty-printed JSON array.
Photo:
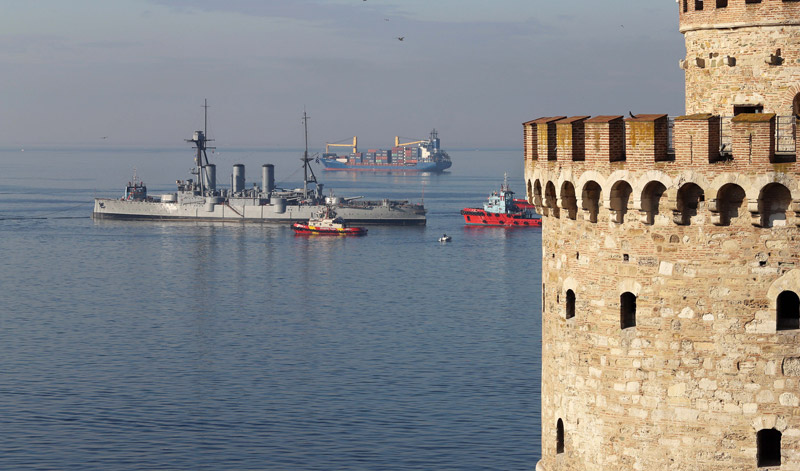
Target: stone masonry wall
[
  {"x": 704, "y": 369},
  {"x": 714, "y": 87}
]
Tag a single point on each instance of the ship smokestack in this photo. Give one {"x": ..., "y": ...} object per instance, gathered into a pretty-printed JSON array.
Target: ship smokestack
[
  {"x": 267, "y": 178},
  {"x": 238, "y": 178},
  {"x": 211, "y": 177}
]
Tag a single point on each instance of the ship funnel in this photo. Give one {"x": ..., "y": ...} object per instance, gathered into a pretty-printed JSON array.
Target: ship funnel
[
  {"x": 238, "y": 178},
  {"x": 267, "y": 178},
  {"x": 210, "y": 177}
]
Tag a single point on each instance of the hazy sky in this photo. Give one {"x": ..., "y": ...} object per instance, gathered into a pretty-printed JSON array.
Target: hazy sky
[{"x": 137, "y": 71}]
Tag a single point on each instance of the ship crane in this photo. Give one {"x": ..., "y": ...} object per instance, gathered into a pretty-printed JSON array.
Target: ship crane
[
  {"x": 397, "y": 142},
  {"x": 354, "y": 145}
]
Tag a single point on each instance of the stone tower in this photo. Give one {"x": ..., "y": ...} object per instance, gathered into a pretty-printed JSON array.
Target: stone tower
[
  {"x": 741, "y": 55},
  {"x": 671, "y": 261}
]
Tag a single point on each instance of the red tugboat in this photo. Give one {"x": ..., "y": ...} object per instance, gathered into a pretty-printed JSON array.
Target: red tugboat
[
  {"x": 502, "y": 210},
  {"x": 327, "y": 223}
]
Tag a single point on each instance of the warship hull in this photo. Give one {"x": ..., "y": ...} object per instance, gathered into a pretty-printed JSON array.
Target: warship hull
[{"x": 377, "y": 213}]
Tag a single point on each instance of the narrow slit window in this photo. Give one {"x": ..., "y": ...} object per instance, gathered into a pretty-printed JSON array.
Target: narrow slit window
[
  {"x": 627, "y": 310},
  {"x": 560, "y": 436},
  {"x": 769, "y": 447}
]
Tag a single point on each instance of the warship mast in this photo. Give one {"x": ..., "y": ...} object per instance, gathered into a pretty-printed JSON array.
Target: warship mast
[
  {"x": 306, "y": 159},
  {"x": 201, "y": 159}
]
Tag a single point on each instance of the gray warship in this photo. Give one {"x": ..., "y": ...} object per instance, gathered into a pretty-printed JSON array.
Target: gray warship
[{"x": 201, "y": 200}]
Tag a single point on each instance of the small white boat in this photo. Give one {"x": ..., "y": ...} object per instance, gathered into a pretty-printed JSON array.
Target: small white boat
[{"x": 445, "y": 238}]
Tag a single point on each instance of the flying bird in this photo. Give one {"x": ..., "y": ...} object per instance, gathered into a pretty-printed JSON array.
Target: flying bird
[{"x": 400, "y": 38}]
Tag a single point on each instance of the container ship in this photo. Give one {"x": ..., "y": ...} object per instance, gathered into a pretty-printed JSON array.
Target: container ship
[{"x": 415, "y": 156}]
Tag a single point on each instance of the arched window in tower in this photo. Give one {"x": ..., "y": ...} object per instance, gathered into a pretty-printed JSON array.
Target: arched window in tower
[
  {"x": 568, "y": 201},
  {"x": 651, "y": 198},
  {"x": 689, "y": 197},
  {"x": 730, "y": 203},
  {"x": 560, "y": 436},
  {"x": 627, "y": 310},
  {"x": 550, "y": 200},
  {"x": 590, "y": 200},
  {"x": 768, "y": 442},
  {"x": 537, "y": 195},
  {"x": 773, "y": 202},
  {"x": 788, "y": 311},
  {"x": 570, "y": 304},
  {"x": 620, "y": 198}
]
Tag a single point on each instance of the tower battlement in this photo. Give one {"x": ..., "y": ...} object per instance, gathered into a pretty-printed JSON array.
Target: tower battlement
[{"x": 631, "y": 161}]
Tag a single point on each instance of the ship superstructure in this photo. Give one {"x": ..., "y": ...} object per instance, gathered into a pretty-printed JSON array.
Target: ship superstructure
[
  {"x": 415, "y": 156},
  {"x": 200, "y": 199}
]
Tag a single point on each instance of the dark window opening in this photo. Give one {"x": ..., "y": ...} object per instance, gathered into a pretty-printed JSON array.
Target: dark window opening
[
  {"x": 627, "y": 310},
  {"x": 560, "y": 436},
  {"x": 722, "y": 3},
  {"x": 685, "y": 6},
  {"x": 769, "y": 447},
  {"x": 788, "y": 311},
  {"x": 698, "y": 5},
  {"x": 570, "y": 304},
  {"x": 752, "y": 1},
  {"x": 739, "y": 109}
]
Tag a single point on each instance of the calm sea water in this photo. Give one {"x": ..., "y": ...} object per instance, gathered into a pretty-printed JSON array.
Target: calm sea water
[{"x": 193, "y": 346}]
